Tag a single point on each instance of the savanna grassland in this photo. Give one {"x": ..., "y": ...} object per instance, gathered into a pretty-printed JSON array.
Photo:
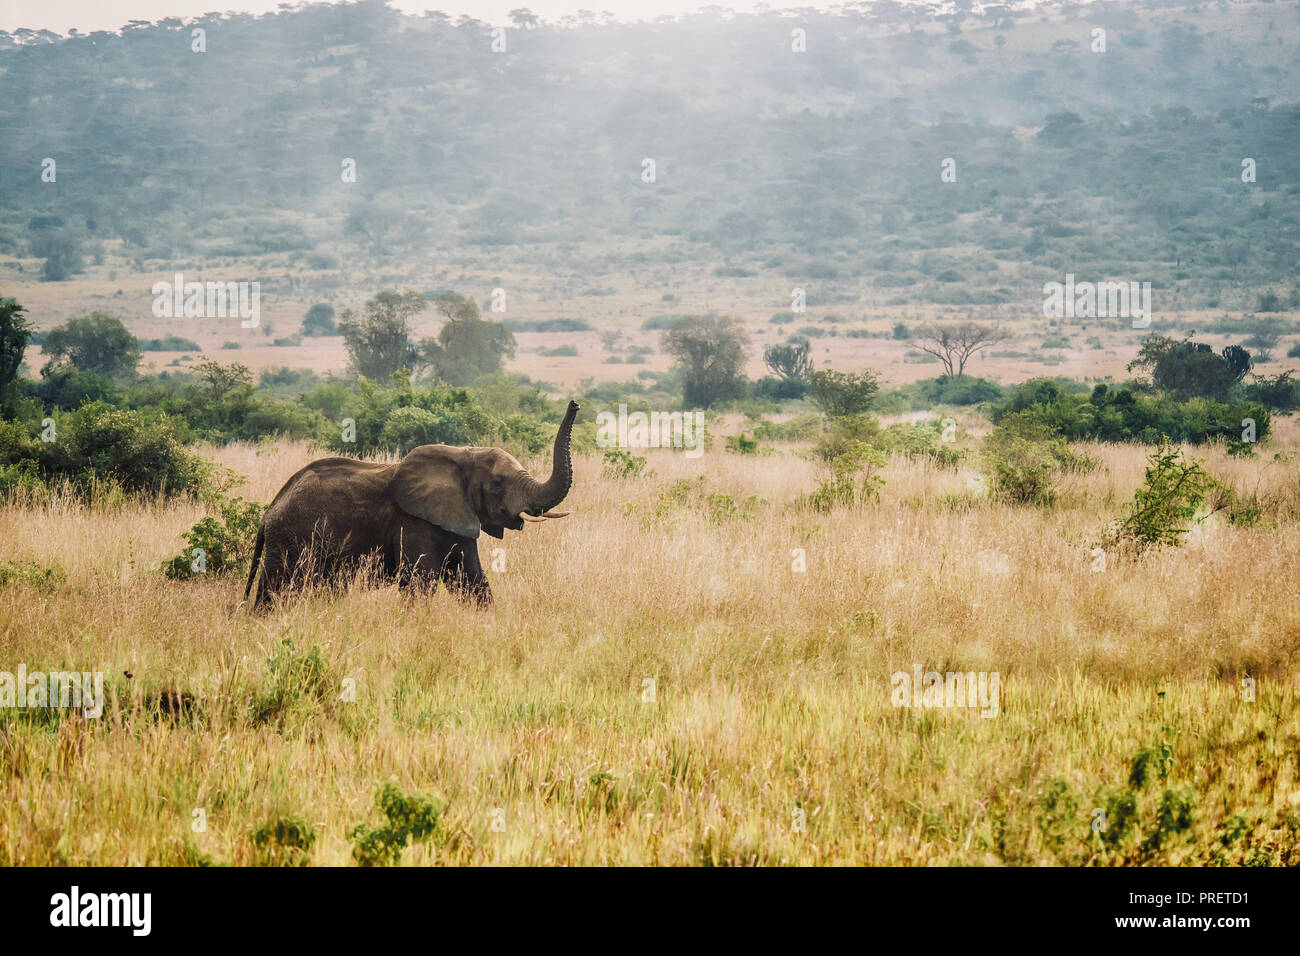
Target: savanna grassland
[{"x": 770, "y": 738}]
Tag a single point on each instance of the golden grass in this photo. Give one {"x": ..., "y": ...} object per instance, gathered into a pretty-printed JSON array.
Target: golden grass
[{"x": 771, "y": 737}]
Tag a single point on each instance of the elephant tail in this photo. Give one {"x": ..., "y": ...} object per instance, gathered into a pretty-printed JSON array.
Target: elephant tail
[{"x": 257, "y": 556}]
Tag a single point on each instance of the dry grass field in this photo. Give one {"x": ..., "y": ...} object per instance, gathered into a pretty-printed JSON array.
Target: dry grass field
[{"x": 658, "y": 682}]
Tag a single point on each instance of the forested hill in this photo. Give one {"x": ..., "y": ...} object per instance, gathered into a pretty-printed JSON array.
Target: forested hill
[{"x": 1067, "y": 158}]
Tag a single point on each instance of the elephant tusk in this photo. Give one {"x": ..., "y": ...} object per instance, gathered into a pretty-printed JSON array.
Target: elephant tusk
[
  {"x": 527, "y": 517},
  {"x": 555, "y": 514}
]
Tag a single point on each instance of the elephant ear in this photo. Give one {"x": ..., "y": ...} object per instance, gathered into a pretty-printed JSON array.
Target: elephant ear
[{"x": 429, "y": 484}]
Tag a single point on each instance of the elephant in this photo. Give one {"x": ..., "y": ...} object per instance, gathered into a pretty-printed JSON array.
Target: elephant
[{"x": 418, "y": 518}]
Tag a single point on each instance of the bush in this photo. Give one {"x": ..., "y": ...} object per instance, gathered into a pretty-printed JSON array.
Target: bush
[
  {"x": 295, "y": 682},
  {"x": 219, "y": 546},
  {"x": 1024, "y": 459},
  {"x": 623, "y": 464},
  {"x": 853, "y": 480},
  {"x": 550, "y": 325},
  {"x": 742, "y": 444},
  {"x": 410, "y": 819},
  {"x": 919, "y": 440},
  {"x": 453, "y": 416},
  {"x": 99, "y": 443},
  {"x": 1279, "y": 393},
  {"x": 319, "y": 320},
  {"x": 843, "y": 436},
  {"x": 1165, "y": 506},
  {"x": 1123, "y": 415},
  {"x": 286, "y": 841},
  {"x": 799, "y": 428},
  {"x": 32, "y": 575},
  {"x": 842, "y": 393},
  {"x": 171, "y": 343}
]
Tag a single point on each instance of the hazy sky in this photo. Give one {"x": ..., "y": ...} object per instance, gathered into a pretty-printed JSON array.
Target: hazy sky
[{"x": 87, "y": 15}]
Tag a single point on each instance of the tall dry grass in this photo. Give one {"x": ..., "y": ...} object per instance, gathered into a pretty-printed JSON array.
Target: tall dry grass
[{"x": 771, "y": 737}]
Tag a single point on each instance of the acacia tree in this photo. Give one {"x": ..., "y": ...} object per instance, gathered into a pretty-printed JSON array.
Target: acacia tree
[
  {"x": 955, "y": 344},
  {"x": 710, "y": 352}
]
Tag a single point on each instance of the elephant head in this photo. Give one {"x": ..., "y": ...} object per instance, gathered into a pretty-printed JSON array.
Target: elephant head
[{"x": 467, "y": 490}]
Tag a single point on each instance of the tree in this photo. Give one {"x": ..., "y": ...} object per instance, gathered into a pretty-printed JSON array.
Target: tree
[
  {"x": 1190, "y": 368},
  {"x": 791, "y": 362},
  {"x": 58, "y": 245},
  {"x": 710, "y": 351},
  {"x": 1238, "y": 360},
  {"x": 98, "y": 342},
  {"x": 378, "y": 340},
  {"x": 1263, "y": 343},
  {"x": 468, "y": 346},
  {"x": 840, "y": 394},
  {"x": 219, "y": 380},
  {"x": 383, "y": 226},
  {"x": 954, "y": 345},
  {"x": 523, "y": 18},
  {"x": 319, "y": 320},
  {"x": 15, "y": 332}
]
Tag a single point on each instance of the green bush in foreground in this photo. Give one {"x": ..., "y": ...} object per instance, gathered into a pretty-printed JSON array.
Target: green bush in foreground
[
  {"x": 286, "y": 841},
  {"x": 219, "y": 545},
  {"x": 1165, "y": 507},
  {"x": 411, "y": 820}
]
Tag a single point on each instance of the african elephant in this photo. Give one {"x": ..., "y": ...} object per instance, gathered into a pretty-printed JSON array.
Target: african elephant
[{"x": 419, "y": 517}]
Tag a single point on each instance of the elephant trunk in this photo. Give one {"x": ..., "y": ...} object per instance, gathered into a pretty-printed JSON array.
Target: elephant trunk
[{"x": 543, "y": 497}]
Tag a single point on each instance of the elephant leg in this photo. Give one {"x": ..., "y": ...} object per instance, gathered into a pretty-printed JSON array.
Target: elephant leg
[
  {"x": 463, "y": 574},
  {"x": 271, "y": 580},
  {"x": 417, "y": 563}
]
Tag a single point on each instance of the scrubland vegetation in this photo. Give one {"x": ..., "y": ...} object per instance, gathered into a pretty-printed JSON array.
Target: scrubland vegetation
[{"x": 908, "y": 466}]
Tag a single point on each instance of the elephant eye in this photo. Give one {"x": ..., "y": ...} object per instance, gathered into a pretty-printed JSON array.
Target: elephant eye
[{"x": 498, "y": 480}]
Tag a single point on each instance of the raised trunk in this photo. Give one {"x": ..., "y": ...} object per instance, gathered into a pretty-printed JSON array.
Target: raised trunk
[{"x": 547, "y": 495}]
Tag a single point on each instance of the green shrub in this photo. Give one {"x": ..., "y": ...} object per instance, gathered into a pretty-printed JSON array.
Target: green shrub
[
  {"x": 454, "y": 417},
  {"x": 919, "y": 440},
  {"x": 286, "y": 841},
  {"x": 844, "y": 436},
  {"x": 1025, "y": 459},
  {"x": 410, "y": 820},
  {"x": 623, "y": 464},
  {"x": 33, "y": 575},
  {"x": 101, "y": 444},
  {"x": 853, "y": 480},
  {"x": 219, "y": 546},
  {"x": 1164, "y": 508},
  {"x": 295, "y": 681},
  {"x": 742, "y": 444},
  {"x": 842, "y": 393},
  {"x": 799, "y": 428},
  {"x": 171, "y": 343},
  {"x": 1124, "y": 415}
]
